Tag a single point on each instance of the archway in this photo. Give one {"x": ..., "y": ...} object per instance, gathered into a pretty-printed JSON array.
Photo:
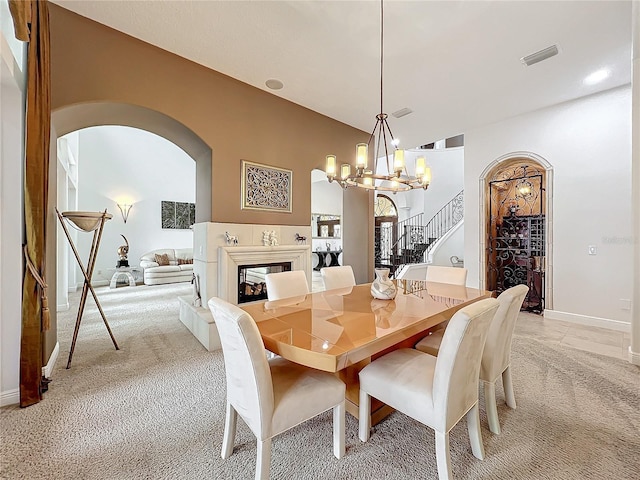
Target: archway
[
  {"x": 385, "y": 233},
  {"x": 76, "y": 117},
  {"x": 80, "y": 116},
  {"x": 516, "y": 229}
]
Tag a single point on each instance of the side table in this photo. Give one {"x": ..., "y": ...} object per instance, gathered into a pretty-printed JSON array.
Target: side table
[{"x": 123, "y": 271}]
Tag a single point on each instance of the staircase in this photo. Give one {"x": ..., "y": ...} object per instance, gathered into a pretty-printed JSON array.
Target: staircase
[{"x": 409, "y": 241}]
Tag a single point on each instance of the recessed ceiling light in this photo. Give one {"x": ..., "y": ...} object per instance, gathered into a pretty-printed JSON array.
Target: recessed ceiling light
[
  {"x": 597, "y": 77},
  {"x": 274, "y": 84}
]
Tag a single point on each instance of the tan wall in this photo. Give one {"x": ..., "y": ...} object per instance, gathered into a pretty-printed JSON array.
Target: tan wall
[{"x": 93, "y": 63}]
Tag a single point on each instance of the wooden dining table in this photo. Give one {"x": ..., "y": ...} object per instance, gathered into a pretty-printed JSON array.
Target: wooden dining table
[{"x": 343, "y": 330}]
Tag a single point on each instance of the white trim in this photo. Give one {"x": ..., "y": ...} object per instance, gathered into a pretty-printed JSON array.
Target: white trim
[
  {"x": 48, "y": 368},
  {"x": 634, "y": 357},
  {"x": 62, "y": 308},
  {"x": 587, "y": 320},
  {"x": 10, "y": 397}
]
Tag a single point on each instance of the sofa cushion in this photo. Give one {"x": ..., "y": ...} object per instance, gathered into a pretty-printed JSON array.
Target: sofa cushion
[
  {"x": 185, "y": 261},
  {"x": 151, "y": 256},
  {"x": 162, "y": 259},
  {"x": 186, "y": 267},
  {"x": 164, "y": 269}
]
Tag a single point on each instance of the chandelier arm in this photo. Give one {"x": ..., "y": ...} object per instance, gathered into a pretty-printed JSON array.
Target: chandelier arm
[
  {"x": 373, "y": 132},
  {"x": 384, "y": 138},
  {"x": 380, "y": 125}
]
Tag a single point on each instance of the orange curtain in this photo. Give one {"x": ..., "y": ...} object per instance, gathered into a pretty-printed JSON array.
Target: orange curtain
[{"x": 31, "y": 21}]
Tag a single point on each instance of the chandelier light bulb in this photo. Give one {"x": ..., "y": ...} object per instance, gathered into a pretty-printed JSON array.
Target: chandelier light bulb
[
  {"x": 398, "y": 161},
  {"x": 345, "y": 171},
  {"x": 362, "y": 152},
  {"x": 331, "y": 166},
  {"x": 420, "y": 167}
]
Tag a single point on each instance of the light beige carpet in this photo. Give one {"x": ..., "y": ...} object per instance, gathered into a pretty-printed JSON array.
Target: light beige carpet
[{"x": 155, "y": 410}]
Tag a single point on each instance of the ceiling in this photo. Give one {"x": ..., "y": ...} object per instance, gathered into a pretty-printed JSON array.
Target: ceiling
[{"x": 456, "y": 64}]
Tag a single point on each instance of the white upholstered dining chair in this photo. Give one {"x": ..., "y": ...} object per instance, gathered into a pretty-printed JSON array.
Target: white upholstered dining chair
[
  {"x": 286, "y": 284},
  {"x": 337, "y": 277},
  {"x": 452, "y": 275},
  {"x": 496, "y": 357},
  {"x": 271, "y": 396},
  {"x": 436, "y": 391}
]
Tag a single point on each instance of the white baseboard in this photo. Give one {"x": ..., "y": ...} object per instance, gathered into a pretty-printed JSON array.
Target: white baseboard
[
  {"x": 98, "y": 283},
  {"x": 62, "y": 308},
  {"x": 10, "y": 397},
  {"x": 48, "y": 368},
  {"x": 634, "y": 357},
  {"x": 587, "y": 320}
]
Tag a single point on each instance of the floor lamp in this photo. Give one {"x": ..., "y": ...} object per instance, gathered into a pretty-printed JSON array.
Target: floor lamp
[{"x": 86, "y": 222}]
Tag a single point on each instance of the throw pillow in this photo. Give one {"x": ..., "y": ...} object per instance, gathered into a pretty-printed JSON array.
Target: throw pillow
[
  {"x": 185, "y": 261},
  {"x": 162, "y": 259}
]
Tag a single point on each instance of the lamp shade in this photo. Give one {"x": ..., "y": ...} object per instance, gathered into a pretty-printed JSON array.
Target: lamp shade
[{"x": 362, "y": 152}]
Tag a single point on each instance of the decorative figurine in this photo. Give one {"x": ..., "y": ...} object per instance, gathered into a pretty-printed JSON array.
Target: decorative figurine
[
  {"x": 301, "y": 238},
  {"x": 123, "y": 250},
  {"x": 231, "y": 239},
  {"x": 273, "y": 239}
]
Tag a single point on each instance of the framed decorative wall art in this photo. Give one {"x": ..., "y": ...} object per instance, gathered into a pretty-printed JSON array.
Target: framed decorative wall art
[
  {"x": 178, "y": 215},
  {"x": 266, "y": 188}
]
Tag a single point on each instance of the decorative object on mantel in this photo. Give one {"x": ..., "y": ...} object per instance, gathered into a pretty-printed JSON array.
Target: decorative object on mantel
[
  {"x": 269, "y": 238},
  {"x": 231, "y": 239},
  {"x": 197, "y": 299},
  {"x": 178, "y": 215},
  {"x": 301, "y": 238},
  {"x": 266, "y": 188},
  {"x": 382, "y": 287},
  {"x": 397, "y": 179},
  {"x": 86, "y": 222}
]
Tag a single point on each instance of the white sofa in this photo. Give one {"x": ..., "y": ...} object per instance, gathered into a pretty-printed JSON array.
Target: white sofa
[{"x": 180, "y": 268}]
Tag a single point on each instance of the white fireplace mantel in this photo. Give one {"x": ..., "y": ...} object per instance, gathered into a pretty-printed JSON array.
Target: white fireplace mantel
[{"x": 230, "y": 258}]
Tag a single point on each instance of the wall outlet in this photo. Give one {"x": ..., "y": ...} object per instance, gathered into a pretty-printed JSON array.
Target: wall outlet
[
  {"x": 593, "y": 250},
  {"x": 625, "y": 304}
]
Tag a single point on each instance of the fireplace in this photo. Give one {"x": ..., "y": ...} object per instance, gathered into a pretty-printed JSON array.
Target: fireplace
[
  {"x": 251, "y": 283},
  {"x": 230, "y": 259}
]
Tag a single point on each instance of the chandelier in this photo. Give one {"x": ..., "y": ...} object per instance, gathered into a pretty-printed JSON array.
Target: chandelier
[{"x": 397, "y": 179}]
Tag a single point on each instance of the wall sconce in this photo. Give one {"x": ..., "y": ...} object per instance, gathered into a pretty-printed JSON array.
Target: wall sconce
[{"x": 124, "y": 210}]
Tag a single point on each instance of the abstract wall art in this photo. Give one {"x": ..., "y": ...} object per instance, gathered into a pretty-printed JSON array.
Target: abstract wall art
[{"x": 179, "y": 215}]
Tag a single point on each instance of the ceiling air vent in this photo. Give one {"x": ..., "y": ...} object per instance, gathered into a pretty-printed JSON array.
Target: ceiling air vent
[
  {"x": 402, "y": 112},
  {"x": 540, "y": 56}
]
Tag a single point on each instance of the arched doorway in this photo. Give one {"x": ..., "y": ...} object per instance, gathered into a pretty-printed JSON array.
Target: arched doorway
[
  {"x": 517, "y": 228},
  {"x": 386, "y": 218},
  {"x": 77, "y": 117}
]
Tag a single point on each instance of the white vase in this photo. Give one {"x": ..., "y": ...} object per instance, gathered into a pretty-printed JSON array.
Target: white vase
[{"x": 382, "y": 287}]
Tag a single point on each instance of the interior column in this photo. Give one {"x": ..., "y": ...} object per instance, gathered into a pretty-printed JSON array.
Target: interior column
[{"x": 634, "y": 349}]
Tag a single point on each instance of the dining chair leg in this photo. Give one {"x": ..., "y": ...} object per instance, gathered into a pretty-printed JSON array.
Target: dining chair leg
[
  {"x": 364, "y": 425},
  {"x": 228, "y": 439},
  {"x": 475, "y": 435},
  {"x": 443, "y": 457},
  {"x": 491, "y": 407},
  {"x": 507, "y": 384},
  {"x": 263, "y": 461},
  {"x": 338, "y": 430}
]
